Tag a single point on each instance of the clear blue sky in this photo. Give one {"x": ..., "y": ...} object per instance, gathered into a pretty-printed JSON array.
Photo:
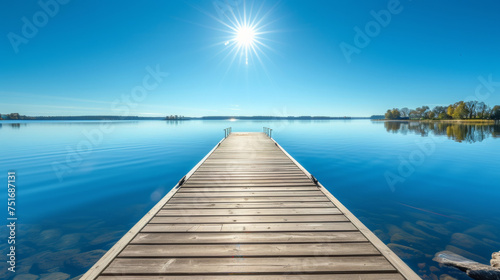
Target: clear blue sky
[{"x": 89, "y": 54}]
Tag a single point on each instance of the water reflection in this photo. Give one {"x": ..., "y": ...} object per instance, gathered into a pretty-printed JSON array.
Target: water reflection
[
  {"x": 174, "y": 122},
  {"x": 23, "y": 124},
  {"x": 13, "y": 125},
  {"x": 460, "y": 132},
  {"x": 450, "y": 203}
]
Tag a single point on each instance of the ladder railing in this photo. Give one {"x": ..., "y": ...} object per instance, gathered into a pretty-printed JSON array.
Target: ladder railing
[
  {"x": 268, "y": 132},
  {"x": 227, "y": 131}
]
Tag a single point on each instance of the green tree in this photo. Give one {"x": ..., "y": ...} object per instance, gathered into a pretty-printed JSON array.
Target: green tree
[
  {"x": 423, "y": 112},
  {"x": 13, "y": 116},
  {"x": 413, "y": 114},
  {"x": 471, "y": 107},
  {"x": 405, "y": 112},
  {"x": 388, "y": 115},
  {"x": 438, "y": 110},
  {"x": 418, "y": 113},
  {"x": 482, "y": 110},
  {"x": 443, "y": 116},
  {"x": 450, "y": 111},
  {"x": 460, "y": 111},
  {"x": 395, "y": 113},
  {"x": 495, "y": 113}
]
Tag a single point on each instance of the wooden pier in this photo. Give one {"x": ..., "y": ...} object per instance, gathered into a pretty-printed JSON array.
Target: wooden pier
[{"x": 248, "y": 210}]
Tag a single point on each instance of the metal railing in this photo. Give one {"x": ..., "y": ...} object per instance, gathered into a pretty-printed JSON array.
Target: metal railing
[
  {"x": 227, "y": 131},
  {"x": 268, "y": 132}
]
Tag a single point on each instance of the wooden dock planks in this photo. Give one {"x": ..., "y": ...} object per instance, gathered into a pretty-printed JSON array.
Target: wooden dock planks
[{"x": 249, "y": 211}]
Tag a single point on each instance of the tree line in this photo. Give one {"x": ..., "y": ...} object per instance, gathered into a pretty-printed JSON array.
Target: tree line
[
  {"x": 460, "y": 110},
  {"x": 14, "y": 116}
]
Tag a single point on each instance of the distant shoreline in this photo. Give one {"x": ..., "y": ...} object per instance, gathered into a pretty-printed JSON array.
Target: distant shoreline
[{"x": 117, "y": 118}]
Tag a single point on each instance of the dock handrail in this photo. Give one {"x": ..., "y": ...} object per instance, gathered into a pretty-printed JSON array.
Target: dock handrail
[
  {"x": 268, "y": 131},
  {"x": 227, "y": 131}
]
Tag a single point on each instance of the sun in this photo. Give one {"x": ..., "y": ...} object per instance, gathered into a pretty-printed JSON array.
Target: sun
[
  {"x": 245, "y": 39},
  {"x": 245, "y": 36},
  {"x": 248, "y": 30}
]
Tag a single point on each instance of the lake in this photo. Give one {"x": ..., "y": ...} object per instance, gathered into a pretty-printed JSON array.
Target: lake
[{"x": 421, "y": 187}]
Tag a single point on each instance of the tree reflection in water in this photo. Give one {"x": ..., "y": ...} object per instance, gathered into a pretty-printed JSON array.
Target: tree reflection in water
[{"x": 460, "y": 132}]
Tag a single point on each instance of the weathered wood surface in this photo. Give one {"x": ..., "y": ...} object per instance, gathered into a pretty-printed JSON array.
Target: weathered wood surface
[
  {"x": 249, "y": 237},
  {"x": 246, "y": 212},
  {"x": 250, "y": 211},
  {"x": 247, "y": 219},
  {"x": 242, "y": 265}
]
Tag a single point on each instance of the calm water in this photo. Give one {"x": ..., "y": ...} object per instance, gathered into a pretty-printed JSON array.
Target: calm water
[{"x": 421, "y": 188}]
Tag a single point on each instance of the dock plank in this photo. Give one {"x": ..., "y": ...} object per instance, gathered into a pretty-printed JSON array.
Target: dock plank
[
  {"x": 289, "y": 181},
  {"x": 248, "y": 212},
  {"x": 251, "y": 250},
  {"x": 249, "y": 227},
  {"x": 202, "y": 189},
  {"x": 248, "y": 237},
  {"x": 155, "y": 266},
  {"x": 247, "y": 184},
  {"x": 247, "y": 219},
  {"x": 248, "y": 205},
  {"x": 249, "y": 199},
  {"x": 247, "y": 194}
]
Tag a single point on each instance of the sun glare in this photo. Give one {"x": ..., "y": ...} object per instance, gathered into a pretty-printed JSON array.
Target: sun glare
[
  {"x": 247, "y": 28},
  {"x": 245, "y": 36}
]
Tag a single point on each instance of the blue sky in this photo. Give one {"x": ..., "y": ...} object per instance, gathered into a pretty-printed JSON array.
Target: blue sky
[{"x": 91, "y": 57}]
